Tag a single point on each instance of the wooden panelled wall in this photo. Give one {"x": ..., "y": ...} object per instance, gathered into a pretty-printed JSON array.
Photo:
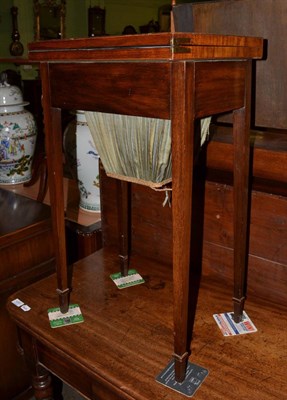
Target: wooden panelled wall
[{"x": 263, "y": 18}]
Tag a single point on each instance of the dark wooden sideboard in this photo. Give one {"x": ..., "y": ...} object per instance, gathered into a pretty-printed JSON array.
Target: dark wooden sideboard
[
  {"x": 187, "y": 77},
  {"x": 26, "y": 255}
]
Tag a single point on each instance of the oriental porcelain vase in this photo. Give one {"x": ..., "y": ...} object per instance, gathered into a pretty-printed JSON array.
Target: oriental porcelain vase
[{"x": 18, "y": 133}]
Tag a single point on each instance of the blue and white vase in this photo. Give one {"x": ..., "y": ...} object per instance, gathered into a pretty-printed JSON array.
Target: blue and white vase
[{"x": 87, "y": 166}]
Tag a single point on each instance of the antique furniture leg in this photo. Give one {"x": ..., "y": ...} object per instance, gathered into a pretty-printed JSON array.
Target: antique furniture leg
[
  {"x": 123, "y": 220},
  {"x": 182, "y": 175},
  {"x": 53, "y": 137},
  {"x": 42, "y": 384},
  {"x": 241, "y": 129},
  {"x": 183, "y": 117},
  {"x": 41, "y": 378}
]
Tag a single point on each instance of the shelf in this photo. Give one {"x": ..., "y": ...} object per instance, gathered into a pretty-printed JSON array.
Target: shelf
[{"x": 18, "y": 61}]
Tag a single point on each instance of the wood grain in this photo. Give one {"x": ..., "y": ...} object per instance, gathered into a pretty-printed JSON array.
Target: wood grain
[
  {"x": 126, "y": 338},
  {"x": 26, "y": 254}
]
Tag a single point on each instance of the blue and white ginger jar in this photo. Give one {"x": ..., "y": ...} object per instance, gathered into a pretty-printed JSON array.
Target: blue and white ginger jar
[{"x": 18, "y": 133}]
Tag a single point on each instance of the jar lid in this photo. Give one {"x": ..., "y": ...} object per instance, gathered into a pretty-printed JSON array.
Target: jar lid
[{"x": 10, "y": 95}]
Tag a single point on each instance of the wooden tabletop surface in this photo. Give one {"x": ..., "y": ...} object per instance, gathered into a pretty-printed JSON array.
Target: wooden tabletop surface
[
  {"x": 156, "y": 46},
  {"x": 126, "y": 338},
  {"x": 71, "y": 195},
  {"x": 19, "y": 212}
]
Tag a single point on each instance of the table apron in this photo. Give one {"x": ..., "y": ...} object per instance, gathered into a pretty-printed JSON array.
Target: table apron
[{"x": 143, "y": 88}]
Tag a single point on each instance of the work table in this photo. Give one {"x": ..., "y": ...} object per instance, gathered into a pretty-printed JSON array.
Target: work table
[{"x": 176, "y": 76}]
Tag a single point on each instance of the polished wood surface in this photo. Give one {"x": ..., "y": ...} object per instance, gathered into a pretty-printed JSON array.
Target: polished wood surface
[
  {"x": 83, "y": 229},
  {"x": 26, "y": 255},
  {"x": 125, "y": 340},
  {"x": 187, "y": 77},
  {"x": 71, "y": 201},
  {"x": 18, "y": 213},
  {"x": 158, "y": 46}
]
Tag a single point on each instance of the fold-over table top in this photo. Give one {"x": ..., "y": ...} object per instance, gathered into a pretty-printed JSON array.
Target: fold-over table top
[{"x": 154, "y": 46}]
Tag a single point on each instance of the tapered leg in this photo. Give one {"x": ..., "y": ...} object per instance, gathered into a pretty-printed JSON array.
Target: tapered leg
[
  {"x": 241, "y": 202},
  {"x": 123, "y": 224},
  {"x": 241, "y": 173},
  {"x": 53, "y": 146},
  {"x": 182, "y": 176}
]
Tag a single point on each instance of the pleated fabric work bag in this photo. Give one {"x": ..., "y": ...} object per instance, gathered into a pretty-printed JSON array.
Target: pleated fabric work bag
[{"x": 135, "y": 149}]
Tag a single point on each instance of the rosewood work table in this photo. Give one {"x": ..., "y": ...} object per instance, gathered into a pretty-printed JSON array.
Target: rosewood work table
[{"x": 177, "y": 76}]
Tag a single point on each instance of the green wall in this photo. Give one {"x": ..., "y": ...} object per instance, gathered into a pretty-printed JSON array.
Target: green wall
[
  {"x": 119, "y": 13},
  {"x": 5, "y": 27}
]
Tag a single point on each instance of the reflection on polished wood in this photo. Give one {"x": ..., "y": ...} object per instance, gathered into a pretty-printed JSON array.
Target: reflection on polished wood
[
  {"x": 83, "y": 228},
  {"x": 71, "y": 199}
]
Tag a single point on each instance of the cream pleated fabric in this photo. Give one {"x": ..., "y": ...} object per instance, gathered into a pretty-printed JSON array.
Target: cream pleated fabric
[{"x": 135, "y": 149}]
